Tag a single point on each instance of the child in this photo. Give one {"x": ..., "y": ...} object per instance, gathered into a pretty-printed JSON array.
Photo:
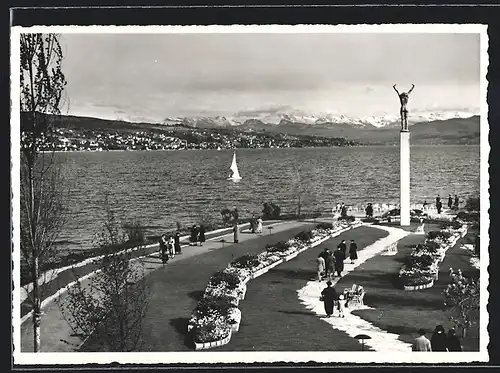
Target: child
[{"x": 341, "y": 305}]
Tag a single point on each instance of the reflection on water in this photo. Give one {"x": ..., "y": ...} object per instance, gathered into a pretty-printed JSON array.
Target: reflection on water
[{"x": 162, "y": 187}]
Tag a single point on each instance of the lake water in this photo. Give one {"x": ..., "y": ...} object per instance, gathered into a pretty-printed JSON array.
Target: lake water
[{"x": 162, "y": 187}]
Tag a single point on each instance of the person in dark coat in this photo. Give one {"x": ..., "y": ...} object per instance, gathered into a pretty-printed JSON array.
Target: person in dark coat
[
  {"x": 450, "y": 201},
  {"x": 369, "y": 210},
  {"x": 325, "y": 254},
  {"x": 353, "y": 251},
  {"x": 177, "y": 242},
  {"x": 236, "y": 232},
  {"x": 339, "y": 261},
  {"x": 194, "y": 235},
  {"x": 439, "y": 340},
  {"x": 163, "y": 249},
  {"x": 201, "y": 234},
  {"x": 329, "y": 296},
  {"x": 439, "y": 207},
  {"x": 453, "y": 341},
  {"x": 253, "y": 223},
  {"x": 342, "y": 246},
  {"x": 343, "y": 211},
  {"x": 456, "y": 203},
  {"x": 330, "y": 265}
]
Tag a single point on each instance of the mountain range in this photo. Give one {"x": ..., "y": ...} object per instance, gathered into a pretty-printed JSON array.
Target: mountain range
[{"x": 427, "y": 127}]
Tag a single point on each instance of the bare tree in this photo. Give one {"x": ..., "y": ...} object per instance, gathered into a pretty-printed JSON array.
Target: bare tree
[
  {"x": 41, "y": 89},
  {"x": 110, "y": 308}
]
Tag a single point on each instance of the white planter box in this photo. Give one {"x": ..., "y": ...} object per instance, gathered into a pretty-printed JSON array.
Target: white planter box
[{"x": 206, "y": 346}]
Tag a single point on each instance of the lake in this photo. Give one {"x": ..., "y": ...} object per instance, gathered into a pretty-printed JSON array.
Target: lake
[{"x": 160, "y": 188}]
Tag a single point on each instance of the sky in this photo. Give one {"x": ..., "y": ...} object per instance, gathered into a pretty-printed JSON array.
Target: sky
[{"x": 153, "y": 76}]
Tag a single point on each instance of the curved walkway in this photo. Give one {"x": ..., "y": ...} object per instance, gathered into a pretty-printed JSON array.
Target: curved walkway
[
  {"x": 272, "y": 317},
  {"x": 56, "y": 335},
  {"x": 351, "y": 324}
]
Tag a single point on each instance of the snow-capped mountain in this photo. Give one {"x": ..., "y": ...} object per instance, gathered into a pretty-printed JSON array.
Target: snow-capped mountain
[{"x": 327, "y": 119}]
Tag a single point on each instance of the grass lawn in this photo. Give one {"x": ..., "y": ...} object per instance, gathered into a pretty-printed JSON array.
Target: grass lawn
[
  {"x": 176, "y": 289},
  {"x": 404, "y": 312},
  {"x": 273, "y": 319}
]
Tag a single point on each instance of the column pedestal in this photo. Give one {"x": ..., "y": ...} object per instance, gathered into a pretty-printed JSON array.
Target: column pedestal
[{"x": 405, "y": 177}]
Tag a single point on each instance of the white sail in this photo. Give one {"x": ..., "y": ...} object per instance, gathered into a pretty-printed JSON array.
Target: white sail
[{"x": 234, "y": 168}]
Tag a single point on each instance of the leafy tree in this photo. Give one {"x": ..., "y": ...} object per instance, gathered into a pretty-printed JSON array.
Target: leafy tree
[
  {"x": 230, "y": 217},
  {"x": 271, "y": 211},
  {"x": 42, "y": 84}
]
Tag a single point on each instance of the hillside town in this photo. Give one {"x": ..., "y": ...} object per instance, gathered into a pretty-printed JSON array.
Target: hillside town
[{"x": 100, "y": 140}]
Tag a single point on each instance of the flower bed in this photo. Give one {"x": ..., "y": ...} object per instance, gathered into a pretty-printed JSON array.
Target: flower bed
[
  {"x": 421, "y": 266},
  {"x": 217, "y": 316}
]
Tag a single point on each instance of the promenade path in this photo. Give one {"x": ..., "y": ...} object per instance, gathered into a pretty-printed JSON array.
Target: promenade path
[
  {"x": 176, "y": 283},
  {"x": 176, "y": 289}
]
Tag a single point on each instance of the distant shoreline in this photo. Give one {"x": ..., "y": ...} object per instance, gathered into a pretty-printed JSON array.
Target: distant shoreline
[{"x": 231, "y": 149}]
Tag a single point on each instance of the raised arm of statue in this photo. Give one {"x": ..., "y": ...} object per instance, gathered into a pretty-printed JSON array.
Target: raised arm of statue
[
  {"x": 411, "y": 89},
  {"x": 394, "y": 86}
]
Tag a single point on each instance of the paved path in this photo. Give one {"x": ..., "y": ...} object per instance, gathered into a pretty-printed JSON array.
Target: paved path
[
  {"x": 167, "y": 283},
  {"x": 352, "y": 324}
]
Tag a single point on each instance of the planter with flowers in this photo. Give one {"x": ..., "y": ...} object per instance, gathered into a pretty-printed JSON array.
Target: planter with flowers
[
  {"x": 217, "y": 316},
  {"x": 421, "y": 268}
]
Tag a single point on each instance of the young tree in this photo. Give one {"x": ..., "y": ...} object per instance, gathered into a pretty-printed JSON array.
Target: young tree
[
  {"x": 41, "y": 92},
  {"x": 462, "y": 295},
  {"x": 302, "y": 187},
  {"x": 111, "y": 306}
]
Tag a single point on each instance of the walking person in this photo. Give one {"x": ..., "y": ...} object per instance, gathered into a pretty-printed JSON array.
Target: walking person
[
  {"x": 421, "y": 343},
  {"x": 353, "y": 251},
  {"x": 330, "y": 265},
  {"x": 453, "y": 344},
  {"x": 235, "y": 232},
  {"x": 170, "y": 246},
  {"x": 439, "y": 340},
  {"x": 339, "y": 261},
  {"x": 456, "y": 203},
  {"x": 328, "y": 296},
  {"x": 259, "y": 225},
  {"x": 320, "y": 266},
  {"x": 194, "y": 236},
  {"x": 343, "y": 211},
  {"x": 424, "y": 206},
  {"x": 177, "y": 242},
  {"x": 450, "y": 201},
  {"x": 439, "y": 204},
  {"x": 253, "y": 223},
  {"x": 163, "y": 249},
  {"x": 369, "y": 211},
  {"x": 343, "y": 246},
  {"x": 341, "y": 305},
  {"x": 201, "y": 234}
]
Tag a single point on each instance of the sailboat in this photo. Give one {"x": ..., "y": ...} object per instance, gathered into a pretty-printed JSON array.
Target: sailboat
[{"x": 234, "y": 167}]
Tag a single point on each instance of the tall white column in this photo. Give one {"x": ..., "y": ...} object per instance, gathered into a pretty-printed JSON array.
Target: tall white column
[{"x": 405, "y": 177}]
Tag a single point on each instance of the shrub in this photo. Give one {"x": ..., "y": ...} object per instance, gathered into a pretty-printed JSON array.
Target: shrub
[
  {"x": 229, "y": 217},
  {"x": 419, "y": 261},
  {"x": 211, "y": 332},
  {"x": 135, "y": 231},
  {"x": 348, "y": 218},
  {"x": 468, "y": 216},
  {"x": 370, "y": 220},
  {"x": 324, "y": 226},
  {"x": 279, "y": 247},
  {"x": 304, "y": 236},
  {"x": 416, "y": 279},
  {"x": 247, "y": 261},
  {"x": 438, "y": 234},
  {"x": 472, "y": 204},
  {"x": 453, "y": 225},
  {"x": 271, "y": 211},
  {"x": 215, "y": 306},
  {"x": 220, "y": 277}
]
